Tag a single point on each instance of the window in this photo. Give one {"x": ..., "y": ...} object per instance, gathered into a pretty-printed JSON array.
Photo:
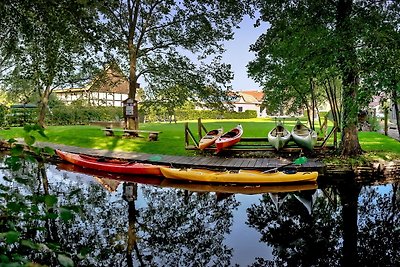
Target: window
[{"x": 240, "y": 109}]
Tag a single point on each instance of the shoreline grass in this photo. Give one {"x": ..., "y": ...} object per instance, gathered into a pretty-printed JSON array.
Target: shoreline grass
[{"x": 171, "y": 140}]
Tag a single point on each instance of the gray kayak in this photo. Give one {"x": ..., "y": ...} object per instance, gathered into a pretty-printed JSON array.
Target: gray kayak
[
  {"x": 304, "y": 136},
  {"x": 278, "y": 137}
]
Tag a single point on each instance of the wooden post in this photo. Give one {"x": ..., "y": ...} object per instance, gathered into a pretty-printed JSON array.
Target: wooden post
[
  {"x": 199, "y": 128},
  {"x": 335, "y": 134},
  {"x": 386, "y": 115},
  {"x": 186, "y": 134}
]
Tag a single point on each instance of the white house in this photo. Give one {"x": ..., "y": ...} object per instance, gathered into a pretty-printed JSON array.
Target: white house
[
  {"x": 108, "y": 89},
  {"x": 250, "y": 100}
]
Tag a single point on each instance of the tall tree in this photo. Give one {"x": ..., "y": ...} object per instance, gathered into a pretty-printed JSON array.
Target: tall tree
[
  {"x": 152, "y": 37},
  {"x": 53, "y": 40},
  {"x": 314, "y": 38},
  {"x": 348, "y": 63}
]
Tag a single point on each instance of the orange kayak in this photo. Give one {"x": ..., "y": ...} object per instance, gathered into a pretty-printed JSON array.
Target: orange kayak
[{"x": 210, "y": 138}]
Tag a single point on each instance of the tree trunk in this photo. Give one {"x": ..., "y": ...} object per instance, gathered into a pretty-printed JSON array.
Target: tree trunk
[
  {"x": 313, "y": 104},
  {"x": 350, "y": 146},
  {"x": 132, "y": 123},
  {"x": 396, "y": 109},
  {"x": 43, "y": 105}
]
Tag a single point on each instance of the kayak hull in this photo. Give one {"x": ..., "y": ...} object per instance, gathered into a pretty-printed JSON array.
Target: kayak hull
[
  {"x": 238, "y": 189},
  {"x": 279, "y": 137},
  {"x": 113, "y": 166},
  {"x": 210, "y": 138},
  {"x": 239, "y": 177},
  {"x": 304, "y": 136},
  {"x": 230, "y": 138}
]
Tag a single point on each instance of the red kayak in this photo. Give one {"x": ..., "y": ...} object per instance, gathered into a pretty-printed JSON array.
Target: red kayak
[
  {"x": 229, "y": 138},
  {"x": 112, "y": 165}
]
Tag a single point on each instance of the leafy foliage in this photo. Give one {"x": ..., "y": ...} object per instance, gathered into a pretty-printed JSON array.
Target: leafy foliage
[
  {"x": 154, "y": 39},
  {"x": 312, "y": 45},
  {"x": 53, "y": 42}
]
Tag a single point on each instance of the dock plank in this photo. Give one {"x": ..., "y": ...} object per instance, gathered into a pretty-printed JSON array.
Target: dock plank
[{"x": 189, "y": 161}]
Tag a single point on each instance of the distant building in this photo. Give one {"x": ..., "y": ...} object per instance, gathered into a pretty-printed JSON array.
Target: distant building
[
  {"x": 108, "y": 89},
  {"x": 376, "y": 107},
  {"x": 250, "y": 100}
]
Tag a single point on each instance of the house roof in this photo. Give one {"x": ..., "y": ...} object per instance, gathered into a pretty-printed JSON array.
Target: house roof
[
  {"x": 375, "y": 102},
  {"x": 259, "y": 95},
  {"x": 250, "y": 96},
  {"x": 111, "y": 80}
]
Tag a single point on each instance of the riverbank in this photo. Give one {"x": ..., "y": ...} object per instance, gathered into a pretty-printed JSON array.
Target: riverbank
[{"x": 328, "y": 168}]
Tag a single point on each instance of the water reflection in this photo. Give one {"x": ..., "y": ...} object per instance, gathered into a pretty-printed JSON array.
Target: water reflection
[{"x": 95, "y": 220}]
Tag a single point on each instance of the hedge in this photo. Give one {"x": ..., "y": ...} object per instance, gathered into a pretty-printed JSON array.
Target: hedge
[
  {"x": 76, "y": 114},
  {"x": 211, "y": 114},
  {"x": 82, "y": 115}
]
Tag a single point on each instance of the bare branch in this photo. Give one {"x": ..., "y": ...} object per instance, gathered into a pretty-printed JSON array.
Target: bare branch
[{"x": 146, "y": 23}]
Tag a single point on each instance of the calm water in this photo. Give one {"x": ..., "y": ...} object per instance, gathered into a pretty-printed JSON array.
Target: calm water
[{"x": 97, "y": 221}]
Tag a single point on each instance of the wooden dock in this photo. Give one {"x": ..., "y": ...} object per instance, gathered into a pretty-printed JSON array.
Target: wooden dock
[
  {"x": 209, "y": 162},
  {"x": 255, "y": 144}
]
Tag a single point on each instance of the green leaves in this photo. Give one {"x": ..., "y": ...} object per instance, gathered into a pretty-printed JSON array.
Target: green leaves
[
  {"x": 66, "y": 214},
  {"x": 29, "y": 140}
]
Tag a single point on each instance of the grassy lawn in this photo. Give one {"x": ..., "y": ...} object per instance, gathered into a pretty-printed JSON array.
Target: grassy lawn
[
  {"x": 171, "y": 140},
  {"x": 379, "y": 145}
]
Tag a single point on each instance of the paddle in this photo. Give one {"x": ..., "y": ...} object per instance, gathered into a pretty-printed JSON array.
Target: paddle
[{"x": 298, "y": 161}]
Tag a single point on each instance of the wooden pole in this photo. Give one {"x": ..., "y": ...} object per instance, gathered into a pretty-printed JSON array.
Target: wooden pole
[
  {"x": 386, "y": 115},
  {"x": 186, "y": 134},
  {"x": 335, "y": 134},
  {"x": 199, "y": 124}
]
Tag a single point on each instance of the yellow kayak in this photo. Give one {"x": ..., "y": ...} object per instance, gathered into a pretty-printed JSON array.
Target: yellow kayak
[{"x": 241, "y": 176}]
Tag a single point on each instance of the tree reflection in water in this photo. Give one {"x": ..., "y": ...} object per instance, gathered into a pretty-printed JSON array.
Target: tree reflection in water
[
  {"x": 173, "y": 228},
  {"x": 181, "y": 229},
  {"x": 332, "y": 235},
  {"x": 379, "y": 227},
  {"x": 56, "y": 217}
]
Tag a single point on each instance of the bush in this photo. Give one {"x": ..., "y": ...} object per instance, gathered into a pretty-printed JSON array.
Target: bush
[
  {"x": 19, "y": 116},
  {"x": 3, "y": 113},
  {"x": 67, "y": 115},
  {"x": 213, "y": 114}
]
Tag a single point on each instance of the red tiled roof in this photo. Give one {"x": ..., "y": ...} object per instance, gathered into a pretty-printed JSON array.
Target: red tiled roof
[{"x": 258, "y": 95}]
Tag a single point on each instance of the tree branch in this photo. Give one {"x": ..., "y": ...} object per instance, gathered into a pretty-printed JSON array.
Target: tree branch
[{"x": 145, "y": 25}]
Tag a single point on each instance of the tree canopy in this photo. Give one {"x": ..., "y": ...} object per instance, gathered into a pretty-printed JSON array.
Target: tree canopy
[
  {"x": 320, "y": 43},
  {"x": 49, "y": 45},
  {"x": 153, "y": 38}
]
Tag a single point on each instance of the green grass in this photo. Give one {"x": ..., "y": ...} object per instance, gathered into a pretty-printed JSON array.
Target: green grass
[
  {"x": 379, "y": 145},
  {"x": 171, "y": 140}
]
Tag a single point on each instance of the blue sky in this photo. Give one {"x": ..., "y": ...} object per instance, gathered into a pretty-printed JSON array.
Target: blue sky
[{"x": 237, "y": 54}]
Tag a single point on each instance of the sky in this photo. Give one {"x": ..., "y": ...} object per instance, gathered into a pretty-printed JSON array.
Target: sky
[{"x": 237, "y": 54}]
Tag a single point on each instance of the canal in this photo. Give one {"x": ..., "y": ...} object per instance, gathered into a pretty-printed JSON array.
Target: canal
[{"x": 60, "y": 215}]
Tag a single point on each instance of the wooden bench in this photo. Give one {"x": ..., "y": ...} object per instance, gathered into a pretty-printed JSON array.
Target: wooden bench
[{"x": 153, "y": 135}]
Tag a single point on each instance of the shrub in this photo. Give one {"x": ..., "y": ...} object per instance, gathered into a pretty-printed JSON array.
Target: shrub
[
  {"x": 214, "y": 114},
  {"x": 82, "y": 114}
]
